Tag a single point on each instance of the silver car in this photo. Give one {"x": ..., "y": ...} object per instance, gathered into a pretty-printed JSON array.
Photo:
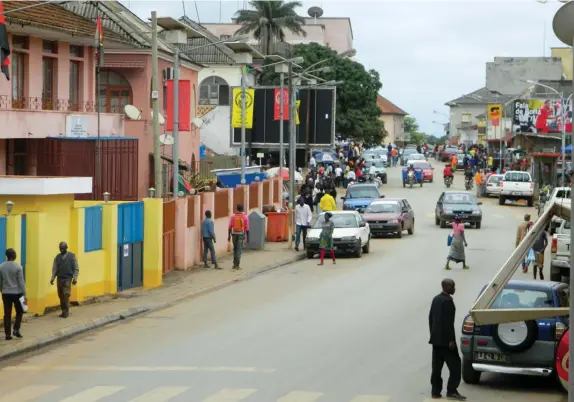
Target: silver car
[{"x": 493, "y": 185}]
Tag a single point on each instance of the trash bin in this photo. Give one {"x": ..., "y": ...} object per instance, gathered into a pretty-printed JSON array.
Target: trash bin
[
  {"x": 277, "y": 226},
  {"x": 256, "y": 231}
]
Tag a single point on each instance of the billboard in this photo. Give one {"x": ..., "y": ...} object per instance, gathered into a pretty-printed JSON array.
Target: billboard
[
  {"x": 316, "y": 114},
  {"x": 540, "y": 116}
]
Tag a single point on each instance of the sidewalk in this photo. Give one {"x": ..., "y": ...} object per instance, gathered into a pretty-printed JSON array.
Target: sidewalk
[{"x": 178, "y": 285}]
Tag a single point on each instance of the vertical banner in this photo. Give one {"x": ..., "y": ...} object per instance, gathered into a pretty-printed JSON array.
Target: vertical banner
[
  {"x": 236, "y": 108},
  {"x": 277, "y": 104},
  {"x": 297, "y": 121},
  {"x": 184, "y": 105},
  {"x": 494, "y": 113}
]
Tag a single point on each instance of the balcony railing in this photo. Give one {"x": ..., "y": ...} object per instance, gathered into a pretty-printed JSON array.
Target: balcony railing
[{"x": 59, "y": 105}]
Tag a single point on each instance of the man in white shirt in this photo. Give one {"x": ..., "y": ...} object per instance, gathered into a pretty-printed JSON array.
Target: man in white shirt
[
  {"x": 351, "y": 175},
  {"x": 338, "y": 176},
  {"x": 312, "y": 163},
  {"x": 303, "y": 216}
]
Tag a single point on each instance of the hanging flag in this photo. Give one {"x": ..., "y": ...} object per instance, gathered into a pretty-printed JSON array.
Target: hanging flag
[
  {"x": 4, "y": 45},
  {"x": 99, "y": 42}
]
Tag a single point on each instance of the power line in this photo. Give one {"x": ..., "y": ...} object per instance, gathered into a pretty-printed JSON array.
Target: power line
[
  {"x": 183, "y": 4},
  {"x": 196, "y": 11}
]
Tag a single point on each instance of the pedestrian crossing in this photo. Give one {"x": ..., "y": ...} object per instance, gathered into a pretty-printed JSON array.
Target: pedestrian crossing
[{"x": 166, "y": 394}]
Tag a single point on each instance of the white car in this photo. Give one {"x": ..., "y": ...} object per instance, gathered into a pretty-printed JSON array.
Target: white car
[
  {"x": 416, "y": 157},
  {"x": 493, "y": 185},
  {"x": 351, "y": 235}
]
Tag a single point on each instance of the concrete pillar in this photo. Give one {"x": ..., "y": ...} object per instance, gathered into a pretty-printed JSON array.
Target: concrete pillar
[
  {"x": 110, "y": 247},
  {"x": 153, "y": 242},
  {"x": 181, "y": 248},
  {"x": 14, "y": 235}
]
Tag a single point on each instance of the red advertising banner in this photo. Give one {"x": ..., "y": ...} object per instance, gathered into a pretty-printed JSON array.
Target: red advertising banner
[
  {"x": 184, "y": 105},
  {"x": 277, "y": 105}
]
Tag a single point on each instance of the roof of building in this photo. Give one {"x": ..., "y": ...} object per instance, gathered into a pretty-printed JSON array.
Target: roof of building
[
  {"x": 481, "y": 96},
  {"x": 388, "y": 107}
]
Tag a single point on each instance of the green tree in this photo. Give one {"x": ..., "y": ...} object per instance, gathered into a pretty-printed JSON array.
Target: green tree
[
  {"x": 357, "y": 115},
  {"x": 268, "y": 21}
]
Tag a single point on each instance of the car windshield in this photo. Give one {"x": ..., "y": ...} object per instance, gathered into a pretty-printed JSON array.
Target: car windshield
[
  {"x": 378, "y": 164},
  {"x": 422, "y": 165},
  {"x": 383, "y": 207},
  {"x": 339, "y": 220},
  {"x": 362, "y": 192},
  {"x": 461, "y": 198},
  {"x": 517, "y": 176},
  {"x": 523, "y": 298}
]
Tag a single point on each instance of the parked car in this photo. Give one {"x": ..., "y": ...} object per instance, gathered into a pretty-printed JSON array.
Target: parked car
[
  {"x": 351, "y": 234},
  {"x": 375, "y": 156},
  {"x": 516, "y": 185},
  {"x": 525, "y": 347},
  {"x": 447, "y": 154},
  {"x": 464, "y": 204},
  {"x": 493, "y": 184},
  {"x": 560, "y": 195},
  {"x": 460, "y": 160},
  {"x": 380, "y": 170},
  {"x": 390, "y": 216},
  {"x": 407, "y": 152},
  {"x": 359, "y": 196},
  {"x": 560, "y": 253},
  {"x": 428, "y": 170}
]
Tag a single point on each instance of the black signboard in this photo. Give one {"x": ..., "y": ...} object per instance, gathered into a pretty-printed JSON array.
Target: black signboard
[{"x": 316, "y": 113}]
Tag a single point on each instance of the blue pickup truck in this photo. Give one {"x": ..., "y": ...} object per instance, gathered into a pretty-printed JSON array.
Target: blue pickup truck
[
  {"x": 524, "y": 347},
  {"x": 359, "y": 196}
]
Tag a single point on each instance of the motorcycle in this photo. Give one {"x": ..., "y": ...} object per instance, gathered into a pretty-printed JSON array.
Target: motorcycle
[
  {"x": 447, "y": 181},
  {"x": 468, "y": 184},
  {"x": 411, "y": 178}
]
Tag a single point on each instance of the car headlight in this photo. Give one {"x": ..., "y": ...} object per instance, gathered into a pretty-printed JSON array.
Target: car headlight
[
  {"x": 476, "y": 212},
  {"x": 447, "y": 211},
  {"x": 348, "y": 238},
  {"x": 394, "y": 221}
]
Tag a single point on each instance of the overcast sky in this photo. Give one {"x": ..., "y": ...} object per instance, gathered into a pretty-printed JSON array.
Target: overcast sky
[{"x": 427, "y": 52}]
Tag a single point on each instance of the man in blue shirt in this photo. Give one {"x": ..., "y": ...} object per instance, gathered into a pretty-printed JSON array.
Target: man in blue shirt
[{"x": 208, "y": 235}]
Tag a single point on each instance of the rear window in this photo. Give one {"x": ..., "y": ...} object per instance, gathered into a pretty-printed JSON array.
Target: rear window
[
  {"x": 563, "y": 194},
  {"x": 517, "y": 176},
  {"x": 523, "y": 298},
  {"x": 494, "y": 179}
]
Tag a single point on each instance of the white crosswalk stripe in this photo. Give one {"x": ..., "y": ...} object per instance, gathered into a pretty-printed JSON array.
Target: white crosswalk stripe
[
  {"x": 160, "y": 394},
  {"x": 27, "y": 394},
  {"x": 93, "y": 394},
  {"x": 300, "y": 396},
  {"x": 230, "y": 395}
]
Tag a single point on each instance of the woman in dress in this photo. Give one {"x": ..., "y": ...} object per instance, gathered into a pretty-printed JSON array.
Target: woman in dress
[
  {"x": 457, "y": 245},
  {"x": 326, "y": 239}
]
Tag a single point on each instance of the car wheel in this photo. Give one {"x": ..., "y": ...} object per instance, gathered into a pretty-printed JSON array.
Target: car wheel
[
  {"x": 530, "y": 202},
  {"x": 515, "y": 336},
  {"x": 501, "y": 200},
  {"x": 478, "y": 225},
  {"x": 443, "y": 224},
  {"x": 430, "y": 181},
  {"x": 359, "y": 250},
  {"x": 367, "y": 247},
  {"x": 469, "y": 374},
  {"x": 411, "y": 230},
  {"x": 310, "y": 255}
]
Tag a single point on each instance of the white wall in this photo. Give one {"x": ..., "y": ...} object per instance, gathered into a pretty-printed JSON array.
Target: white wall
[
  {"x": 456, "y": 112},
  {"x": 215, "y": 132},
  {"x": 231, "y": 74}
]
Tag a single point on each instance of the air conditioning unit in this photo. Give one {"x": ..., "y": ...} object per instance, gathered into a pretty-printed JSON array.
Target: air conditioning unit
[{"x": 168, "y": 74}]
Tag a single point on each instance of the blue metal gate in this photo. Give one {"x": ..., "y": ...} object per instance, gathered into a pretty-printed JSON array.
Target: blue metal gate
[
  {"x": 23, "y": 244},
  {"x": 130, "y": 245},
  {"x": 2, "y": 238}
]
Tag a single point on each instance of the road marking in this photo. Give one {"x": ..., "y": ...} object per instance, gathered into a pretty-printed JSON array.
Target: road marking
[
  {"x": 230, "y": 395},
  {"x": 300, "y": 396},
  {"x": 139, "y": 368},
  {"x": 93, "y": 394},
  {"x": 160, "y": 394},
  {"x": 371, "y": 398},
  {"x": 27, "y": 394}
]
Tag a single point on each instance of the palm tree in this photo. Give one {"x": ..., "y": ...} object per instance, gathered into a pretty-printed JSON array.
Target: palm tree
[{"x": 268, "y": 21}]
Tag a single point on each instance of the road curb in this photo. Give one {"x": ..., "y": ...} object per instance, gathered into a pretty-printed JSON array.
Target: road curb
[{"x": 99, "y": 322}]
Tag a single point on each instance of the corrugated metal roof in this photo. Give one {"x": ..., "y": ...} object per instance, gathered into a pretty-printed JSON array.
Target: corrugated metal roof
[{"x": 207, "y": 54}]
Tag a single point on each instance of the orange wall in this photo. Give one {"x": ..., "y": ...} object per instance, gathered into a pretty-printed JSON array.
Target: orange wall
[{"x": 140, "y": 81}]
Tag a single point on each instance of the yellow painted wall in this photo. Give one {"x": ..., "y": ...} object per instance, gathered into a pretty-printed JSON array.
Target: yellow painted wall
[{"x": 565, "y": 53}]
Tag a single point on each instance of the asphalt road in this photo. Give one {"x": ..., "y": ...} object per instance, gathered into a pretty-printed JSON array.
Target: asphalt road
[{"x": 356, "y": 331}]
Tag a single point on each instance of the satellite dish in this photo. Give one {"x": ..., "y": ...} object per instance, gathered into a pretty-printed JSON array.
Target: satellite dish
[
  {"x": 160, "y": 117},
  {"x": 166, "y": 139},
  {"x": 132, "y": 112},
  {"x": 562, "y": 23},
  {"x": 197, "y": 122}
]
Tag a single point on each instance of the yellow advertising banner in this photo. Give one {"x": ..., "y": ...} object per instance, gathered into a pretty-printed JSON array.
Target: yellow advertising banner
[
  {"x": 494, "y": 111},
  {"x": 236, "y": 108},
  {"x": 297, "y": 121}
]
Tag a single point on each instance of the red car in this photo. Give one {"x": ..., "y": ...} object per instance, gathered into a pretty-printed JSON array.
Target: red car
[{"x": 428, "y": 170}]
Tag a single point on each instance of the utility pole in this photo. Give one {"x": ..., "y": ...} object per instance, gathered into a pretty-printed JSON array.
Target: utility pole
[
  {"x": 243, "y": 114},
  {"x": 281, "y": 127},
  {"x": 292, "y": 147},
  {"x": 176, "y": 122},
  {"x": 155, "y": 104}
]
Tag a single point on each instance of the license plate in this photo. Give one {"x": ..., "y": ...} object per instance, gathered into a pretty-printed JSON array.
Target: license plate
[
  {"x": 515, "y": 193},
  {"x": 376, "y": 225},
  {"x": 493, "y": 357},
  {"x": 464, "y": 216}
]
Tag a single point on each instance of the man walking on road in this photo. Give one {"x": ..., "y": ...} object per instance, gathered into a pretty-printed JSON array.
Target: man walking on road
[
  {"x": 521, "y": 232},
  {"x": 208, "y": 235},
  {"x": 303, "y": 217},
  {"x": 65, "y": 268},
  {"x": 238, "y": 232},
  {"x": 443, "y": 341},
  {"x": 539, "y": 247},
  {"x": 13, "y": 288}
]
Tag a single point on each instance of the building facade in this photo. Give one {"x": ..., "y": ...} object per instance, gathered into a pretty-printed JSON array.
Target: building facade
[
  {"x": 394, "y": 119},
  {"x": 336, "y": 33},
  {"x": 565, "y": 56},
  {"x": 507, "y": 75}
]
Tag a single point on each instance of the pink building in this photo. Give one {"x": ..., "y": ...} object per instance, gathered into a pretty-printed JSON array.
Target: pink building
[{"x": 52, "y": 91}]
